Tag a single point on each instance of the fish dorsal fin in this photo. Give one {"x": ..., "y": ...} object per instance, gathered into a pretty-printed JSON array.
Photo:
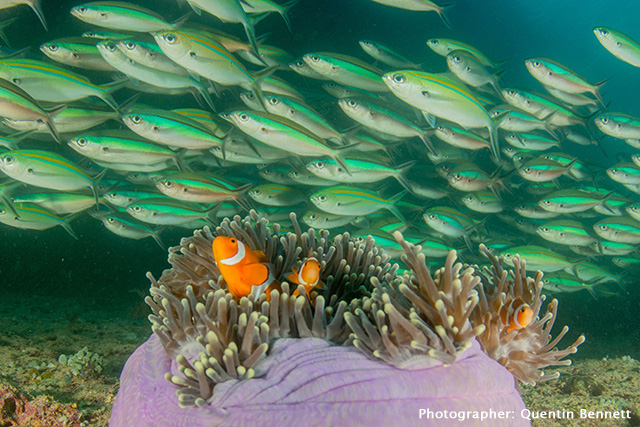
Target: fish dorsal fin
[{"x": 260, "y": 256}]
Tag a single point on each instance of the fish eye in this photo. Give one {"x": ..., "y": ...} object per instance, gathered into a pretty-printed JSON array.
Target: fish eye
[
  {"x": 399, "y": 78},
  {"x": 547, "y": 202},
  {"x": 300, "y": 63},
  {"x": 111, "y": 219},
  {"x": 614, "y": 171},
  {"x": 352, "y": 103},
  {"x": 603, "y": 227},
  {"x": 273, "y": 100},
  {"x": 457, "y": 177},
  {"x": 233, "y": 241},
  {"x": 313, "y": 216},
  {"x": 169, "y": 38},
  {"x": 243, "y": 117},
  {"x": 604, "y": 120},
  {"x": 635, "y": 208},
  {"x": 110, "y": 47},
  {"x": 167, "y": 183},
  {"x": 432, "y": 216},
  {"x": 434, "y": 42},
  {"x": 136, "y": 119},
  {"x": 536, "y": 64},
  {"x": 52, "y": 47},
  {"x": 322, "y": 198},
  {"x": 130, "y": 45},
  {"x": 8, "y": 159},
  {"x": 315, "y": 58},
  {"x": 82, "y": 142},
  {"x": 511, "y": 92},
  {"x": 456, "y": 58},
  {"x": 527, "y": 170},
  {"x": 546, "y": 229},
  {"x": 82, "y": 9},
  {"x": 137, "y": 208}
]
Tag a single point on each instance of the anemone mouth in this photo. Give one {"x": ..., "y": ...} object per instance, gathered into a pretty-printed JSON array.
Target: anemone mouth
[{"x": 410, "y": 321}]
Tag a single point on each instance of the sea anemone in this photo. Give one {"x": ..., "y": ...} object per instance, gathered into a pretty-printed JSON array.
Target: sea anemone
[
  {"x": 371, "y": 346},
  {"x": 524, "y": 352}
]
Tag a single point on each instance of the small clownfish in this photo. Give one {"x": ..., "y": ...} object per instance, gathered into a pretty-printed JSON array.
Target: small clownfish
[
  {"x": 516, "y": 314},
  {"x": 308, "y": 275},
  {"x": 246, "y": 272}
]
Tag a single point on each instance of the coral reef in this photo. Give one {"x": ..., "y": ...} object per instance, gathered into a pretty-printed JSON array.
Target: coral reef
[
  {"x": 18, "y": 410},
  {"x": 367, "y": 325}
]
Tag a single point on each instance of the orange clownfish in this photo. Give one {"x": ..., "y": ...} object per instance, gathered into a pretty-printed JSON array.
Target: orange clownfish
[
  {"x": 516, "y": 314},
  {"x": 246, "y": 272},
  {"x": 308, "y": 275}
]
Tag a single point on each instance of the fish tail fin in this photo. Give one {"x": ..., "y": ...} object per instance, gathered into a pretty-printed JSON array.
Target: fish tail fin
[
  {"x": 596, "y": 91},
  {"x": 443, "y": 14},
  {"x": 156, "y": 236},
  {"x": 180, "y": 21},
  {"x": 69, "y": 230},
  {"x": 204, "y": 93},
  {"x": 338, "y": 158},
  {"x": 257, "y": 79},
  {"x": 3, "y": 24},
  {"x": 65, "y": 224},
  {"x": 604, "y": 201},
  {"x": 37, "y": 8},
  {"x": 128, "y": 103},
  {"x": 17, "y": 137},
  {"x": 392, "y": 205},
  {"x": 283, "y": 12},
  {"x": 51, "y": 113},
  {"x": 493, "y": 138},
  {"x": 9, "y": 204},
  {"x": 251, "y": 35},
  {"x": 402, "y": 170},
  {"x": 106, "y": 90},
  {"x": 241, "y": 199},
  {"x": 289, "y": 5},
  {"x": 548, "y": 126},
  {"x": 94, "y": 186},
  {"x": 427, "y": 141}
]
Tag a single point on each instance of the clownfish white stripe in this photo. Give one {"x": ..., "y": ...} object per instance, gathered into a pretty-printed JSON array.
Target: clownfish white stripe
[
  {"x": 257, "y": 290},
  {"x": 300, "y": 277},
  {"x": 239, "y": 256}
]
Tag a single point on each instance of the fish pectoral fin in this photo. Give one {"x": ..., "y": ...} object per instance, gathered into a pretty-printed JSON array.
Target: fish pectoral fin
[
  {"x": 293, "y": 276},
  {"x": 254, "y": 274}
]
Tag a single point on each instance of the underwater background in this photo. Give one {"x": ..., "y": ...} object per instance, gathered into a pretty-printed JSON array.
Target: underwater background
[{"x": 58, "y": 294}]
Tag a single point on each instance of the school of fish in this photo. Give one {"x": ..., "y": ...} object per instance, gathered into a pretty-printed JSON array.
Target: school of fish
[{"x": 448, "y": 158}]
